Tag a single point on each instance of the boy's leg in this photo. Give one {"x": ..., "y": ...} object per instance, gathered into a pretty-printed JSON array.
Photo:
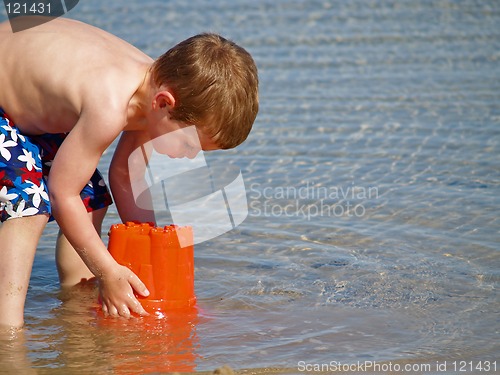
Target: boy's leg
[
  {"x": 70, "y": 266},
  {"x": 17, "y": 250}
]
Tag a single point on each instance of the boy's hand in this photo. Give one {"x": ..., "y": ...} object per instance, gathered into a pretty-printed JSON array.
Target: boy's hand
[{"x": 117, "y": 292}]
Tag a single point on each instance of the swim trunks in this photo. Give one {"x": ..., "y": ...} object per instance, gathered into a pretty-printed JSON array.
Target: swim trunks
[{"x": 25, "y": 163}]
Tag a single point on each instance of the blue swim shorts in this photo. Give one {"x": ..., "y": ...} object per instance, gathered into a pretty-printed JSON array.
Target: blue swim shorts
[{"x": 24, "y": 169}]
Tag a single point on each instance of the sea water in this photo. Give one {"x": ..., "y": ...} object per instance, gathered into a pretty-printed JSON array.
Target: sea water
[{"x": 373, "y": 184}]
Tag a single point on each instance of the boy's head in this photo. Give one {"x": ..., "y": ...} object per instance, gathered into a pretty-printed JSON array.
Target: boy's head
[{"x": 215, "y": 86}]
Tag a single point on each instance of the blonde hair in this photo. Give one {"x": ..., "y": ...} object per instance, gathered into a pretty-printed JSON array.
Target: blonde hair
[{"x": 215, "y": 85}]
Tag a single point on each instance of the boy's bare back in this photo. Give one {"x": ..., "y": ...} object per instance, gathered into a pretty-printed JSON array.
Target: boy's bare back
[{"x": 52, "y": 73}]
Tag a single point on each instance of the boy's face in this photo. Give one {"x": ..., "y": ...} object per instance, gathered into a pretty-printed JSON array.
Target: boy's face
[
  {"x": 171, "y": 137},
  {"x": 178, "y": 140}
]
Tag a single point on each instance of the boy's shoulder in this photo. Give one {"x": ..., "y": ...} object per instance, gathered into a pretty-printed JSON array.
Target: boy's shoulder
[
  {"x": 68, "y": 64},
  {"x": 66, "y": 40}
]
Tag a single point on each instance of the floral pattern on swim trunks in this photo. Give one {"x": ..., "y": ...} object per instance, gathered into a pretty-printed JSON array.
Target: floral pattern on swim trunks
[
  {"x": 23, "y": 191},
  {"x": 25, "y": 163}
]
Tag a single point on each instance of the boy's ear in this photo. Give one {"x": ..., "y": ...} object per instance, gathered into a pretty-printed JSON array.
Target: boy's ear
[{"x": 164, "y": 99}]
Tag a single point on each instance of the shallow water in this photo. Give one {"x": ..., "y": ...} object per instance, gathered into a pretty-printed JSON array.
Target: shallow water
[{"x": 373, "y": 184}]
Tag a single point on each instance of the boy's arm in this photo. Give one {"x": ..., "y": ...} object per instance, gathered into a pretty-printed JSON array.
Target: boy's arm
[
  {"x": 75, "y": 161},
  {"x": 121, "y": 178}
]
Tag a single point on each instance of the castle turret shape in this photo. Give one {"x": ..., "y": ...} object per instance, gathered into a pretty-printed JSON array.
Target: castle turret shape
[{"x": 162, "y": 257}]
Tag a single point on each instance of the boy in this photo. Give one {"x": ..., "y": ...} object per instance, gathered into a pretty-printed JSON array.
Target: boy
[{"x": 67, "y": 90}]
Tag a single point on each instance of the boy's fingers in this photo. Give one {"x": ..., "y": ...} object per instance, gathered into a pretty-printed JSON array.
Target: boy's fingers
[
  {"x": 141, "y": 289},
  {"x": 139, "y": 286},
  {"x": 124, "y": 312},
  {"x": 112, "y": 311},
  {"x": 138, "y": 309}
]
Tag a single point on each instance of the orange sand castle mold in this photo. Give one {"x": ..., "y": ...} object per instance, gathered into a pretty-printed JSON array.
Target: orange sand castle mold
[{"x": 162, "y": 257}]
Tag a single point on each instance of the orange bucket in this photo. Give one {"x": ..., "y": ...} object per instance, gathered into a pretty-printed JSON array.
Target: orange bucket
[{"x": 163, "y": 258}]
